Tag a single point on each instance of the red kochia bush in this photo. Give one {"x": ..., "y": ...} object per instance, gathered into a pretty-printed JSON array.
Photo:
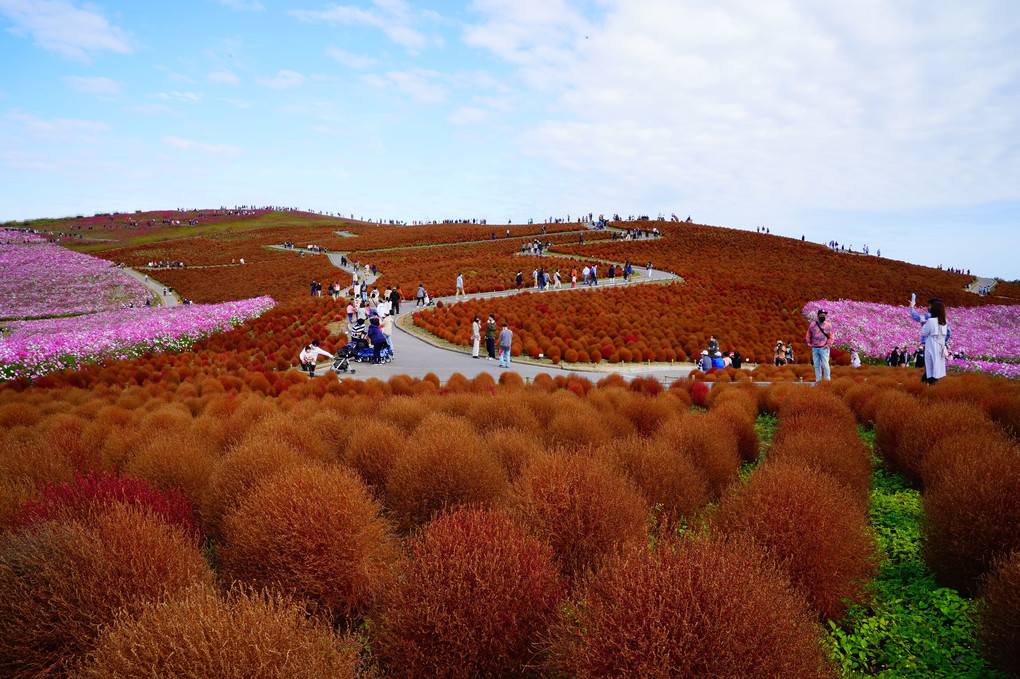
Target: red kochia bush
[
  {"x": 971, "y": 505},
  {"x": 811, "y": 525},
  {"x": 315, "y": 534},
  {"x": 63, "y": 580},
  {"x": 999, "y": 629},
  {"x": 86, "y": 494},
  {"x": 927, "y": 426},
  {"x": 707, "y": 442},
  {"x": 692, "y": 609},
  {"x": 583, "y": 508},
  {"x": 444, "y": 464},
  {"x": 892, "y": 410},
  {"x": 201, "y": 634},
  {"x": 477, "y": 593},
  {"x": 838, "y": 452}
]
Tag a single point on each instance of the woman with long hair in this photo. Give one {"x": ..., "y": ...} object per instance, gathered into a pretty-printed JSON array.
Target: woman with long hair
[{"x": 935, "y": 332}]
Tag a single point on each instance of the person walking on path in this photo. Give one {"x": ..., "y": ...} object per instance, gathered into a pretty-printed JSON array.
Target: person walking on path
[
  {"x": 460, "y": 285},
  {"x": 490, "y": 337},
  {"x": 649, "y": 271},
  {"x": 395, "y": 300},
  {"x": 520, "y": 280},
  {"x": 420, "y": 297},
  {"x": 506, "y": 338},
  {"x": 476, "y": 336},
  {"x": 935, "y": 332},
  {"x": 819, "y": 337}
]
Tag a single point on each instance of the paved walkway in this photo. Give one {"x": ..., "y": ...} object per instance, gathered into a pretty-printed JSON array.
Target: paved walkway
[
  {"x": 417, "y": 356},
  {"x": 170, "y": 299},
  {"x": 981, "y": 283}
]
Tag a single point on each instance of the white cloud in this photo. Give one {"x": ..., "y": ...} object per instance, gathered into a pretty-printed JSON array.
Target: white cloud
[
  {"x": 187, "y": 97},
  {"x": 349, "y": 60},
  {"x": 395, "y": 18},
  {"x": 101, "y": 86},
  {"x": 243, "y": 5},
  {"x": 748, "y": 105},
  {"x": 469, "y": 115},
  {"x": 55, "y": 129},
  {"x": 152, "y": 109},
  {"x": 202, "y": 147},
  {"x": 59, "y": 26},
  {"x": 283, "y": 80},
  {"x": 224, "y": 77},
  {"x": 420, "y": 85}
]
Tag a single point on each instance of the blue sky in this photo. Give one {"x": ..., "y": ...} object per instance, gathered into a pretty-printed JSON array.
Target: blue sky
[{"x": 891, "y": 123}]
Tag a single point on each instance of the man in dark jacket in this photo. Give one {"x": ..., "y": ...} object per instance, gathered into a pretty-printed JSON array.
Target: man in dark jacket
[{"x": 377, "y": 338}]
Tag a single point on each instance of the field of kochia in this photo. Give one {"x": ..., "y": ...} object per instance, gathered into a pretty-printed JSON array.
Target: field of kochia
[{"x": 207, "y": 510}]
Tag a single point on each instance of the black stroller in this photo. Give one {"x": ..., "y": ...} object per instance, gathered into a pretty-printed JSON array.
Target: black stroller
[{"x": 359, "y": 349}]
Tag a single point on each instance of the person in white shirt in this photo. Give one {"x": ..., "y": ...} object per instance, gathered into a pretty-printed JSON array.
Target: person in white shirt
[{"x": 310, "y": 354}]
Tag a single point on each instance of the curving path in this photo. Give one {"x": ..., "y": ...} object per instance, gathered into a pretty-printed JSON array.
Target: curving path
[{"x": 416, "y": 355}]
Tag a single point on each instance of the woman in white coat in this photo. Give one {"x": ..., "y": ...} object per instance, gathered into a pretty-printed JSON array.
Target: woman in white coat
[{"x": 935, "y": 332}]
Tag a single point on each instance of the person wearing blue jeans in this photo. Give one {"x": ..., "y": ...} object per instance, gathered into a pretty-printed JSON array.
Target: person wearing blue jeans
[
  {"x": 819, "y": 337},
  {"x": 506, "y": 339}
]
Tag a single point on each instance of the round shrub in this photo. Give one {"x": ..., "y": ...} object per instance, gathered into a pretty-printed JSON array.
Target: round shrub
[
  {"x": 93, "y": 492},
  {"x": 812, "y": 526},
  {"x": 315, "y": 534},
  {"x": 240, "y": 470},
  {"x": 201, "y": 634},
  {"x": 838, "y": 452},
  {"x": 892, "y": 409},
  {"x": 513, "y": 449},
  {"x": 476, "y": 596},
  {"x": 582, "y": 507},
  {"x": 444, "y": 464},
  {"x": 971, "y": 506},
  {"x": 734, "y": 416},
  {"x": 372, "y": 449},
  {"x": 927, "y": 426},
  {"x": 708, "y": 443},
  {"x": 668, "y": 481},
  {"x": 181, "y": 462},
  {"x": 691, "y": 609},
  {"x": 63, "y": 580},
  {"x": 999, "y": 614}
]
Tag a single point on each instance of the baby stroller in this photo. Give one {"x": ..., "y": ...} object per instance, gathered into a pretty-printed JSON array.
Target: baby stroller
[
  {"x": 360, "y": 349},
  {"x": 342, "y": 365}
]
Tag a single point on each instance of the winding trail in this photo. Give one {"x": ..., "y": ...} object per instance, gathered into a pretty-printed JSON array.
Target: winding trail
[{"x": 417, "y": 354}]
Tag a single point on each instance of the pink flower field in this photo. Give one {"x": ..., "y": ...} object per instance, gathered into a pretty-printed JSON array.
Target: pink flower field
[
  {"x": 989, "y": 336},
  {"x": 42, "y": 280},
  {"x": 33, "y": 348}
]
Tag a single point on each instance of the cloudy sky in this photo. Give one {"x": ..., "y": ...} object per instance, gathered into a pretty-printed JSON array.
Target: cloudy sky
[{"x": 891, "y": 123}]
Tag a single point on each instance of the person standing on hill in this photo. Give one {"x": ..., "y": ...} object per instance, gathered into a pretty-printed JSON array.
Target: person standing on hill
[
  {"x": 713, "y": 345},
  {"x": 460, "y": 285},
  {"x": 506, "y": 339},
  {"x": 935, "y": 332},
  {"x": 819, "y": 337}
]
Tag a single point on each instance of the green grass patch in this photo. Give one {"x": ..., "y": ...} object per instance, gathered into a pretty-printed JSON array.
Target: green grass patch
[{"x": 913, "y": 627}]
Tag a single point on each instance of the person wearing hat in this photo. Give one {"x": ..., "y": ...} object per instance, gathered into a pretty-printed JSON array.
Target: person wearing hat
[
  {"x": 819, "y": 337},
  {"x": 705, "y": 364},
  {"x": 717, "y": 361}
]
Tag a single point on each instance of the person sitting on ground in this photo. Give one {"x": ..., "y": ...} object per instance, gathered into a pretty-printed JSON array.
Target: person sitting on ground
[
  {"x": 855, "y": 359},
  {"x": 726, "y": 359},
  {"x": 717, "y": 361},
  {"x": 705, "y": 364},
  {"x": 309, "y": 355},
  {"x": 737, "y": 360}
]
